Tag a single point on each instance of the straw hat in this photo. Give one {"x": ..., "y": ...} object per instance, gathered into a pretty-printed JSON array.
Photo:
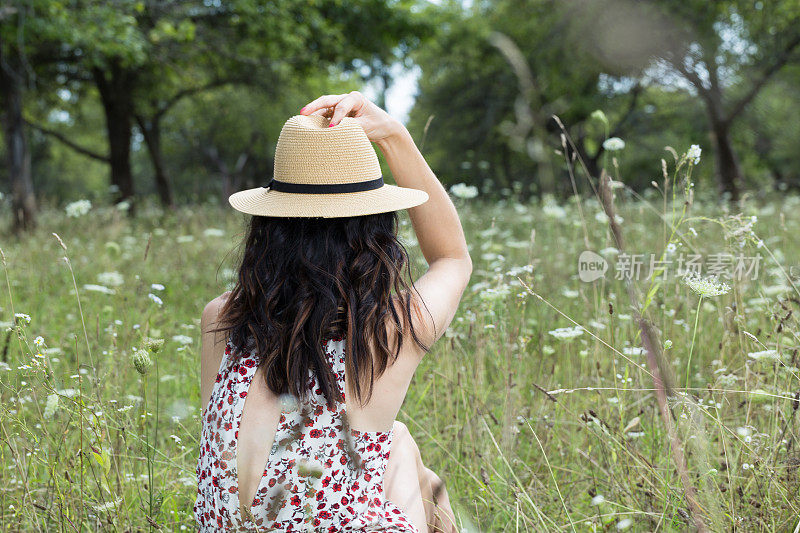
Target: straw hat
[{"x": 325, "y": 172}]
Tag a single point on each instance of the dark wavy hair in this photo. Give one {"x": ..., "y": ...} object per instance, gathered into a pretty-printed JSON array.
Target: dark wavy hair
[{"x": 303, "y": 281}]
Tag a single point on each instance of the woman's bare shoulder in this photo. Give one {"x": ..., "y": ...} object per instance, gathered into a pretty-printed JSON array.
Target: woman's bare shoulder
[{"x": 212, "y": 309}]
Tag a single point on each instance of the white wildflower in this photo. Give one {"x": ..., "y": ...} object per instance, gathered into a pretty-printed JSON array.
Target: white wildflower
[
  {"x": 108, "y": 506},
  {"x": 157, "y": 287},
  {"x": 765, "y": 355},
  {"x": 625, "y": 523},
  {"x": 155, "y": 298},
  {"x": 38, "y": 341},
  {"x": 706, "y": 286},
  {"x": 693, "y": 154},
  {"x": 554, "y": 211},
  {"x": 597, "y": 500},
  {"x": 567, "y": 332},
  {"x": 520, "y": 270},
  {"x": 610, "y": 250},
  {"x": 98, "y": 288},
  {"x": 613, "y": 144},
  {"x": 601, "y": 217},
  {"x": 23, "y": 316},
  {"x": 310, "y": 468},
  {"x": 78, "y": 208},
  {"x": 182, "y": 339},
  {"x": 462, "y": 190},
  {"x": 111, "y": 278},
  {"x": 570, "y": 293},
  {"x": 213, "y": 232},
  {"x": 491, "y": 294},
  {"x": 633, "y": 350},
  {"x": 50, "y": 407}
]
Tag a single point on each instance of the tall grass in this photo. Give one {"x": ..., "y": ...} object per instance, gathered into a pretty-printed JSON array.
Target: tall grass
[{"x": 538, "y": 408}]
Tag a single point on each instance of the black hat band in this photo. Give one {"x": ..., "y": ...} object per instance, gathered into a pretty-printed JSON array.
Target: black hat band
[{"x": 324, "y": 188}]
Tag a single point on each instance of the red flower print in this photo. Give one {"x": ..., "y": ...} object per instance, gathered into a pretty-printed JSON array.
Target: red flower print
[{"x": 341, "y": 495}]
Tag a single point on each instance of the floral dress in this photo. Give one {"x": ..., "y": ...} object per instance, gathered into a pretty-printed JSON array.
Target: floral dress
[{"x": 320, "y": 475}]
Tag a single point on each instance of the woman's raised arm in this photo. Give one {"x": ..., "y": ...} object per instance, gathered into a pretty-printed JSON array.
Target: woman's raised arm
[
  {"x": 436, "y": 222},
  {"x": 439, "y": 232}
]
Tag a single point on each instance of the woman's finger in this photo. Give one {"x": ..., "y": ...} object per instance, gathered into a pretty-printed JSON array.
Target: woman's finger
[
  {"x": 328, "y": 100},
  {"x": 349, "y": 105},
  {"x": 342, "y": 109}
]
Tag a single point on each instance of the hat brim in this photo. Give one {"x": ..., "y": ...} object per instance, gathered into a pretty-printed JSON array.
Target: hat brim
[{"x": 270, "y": 203}]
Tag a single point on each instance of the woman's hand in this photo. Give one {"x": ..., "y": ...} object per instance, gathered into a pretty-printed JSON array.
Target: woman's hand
[{"x": 377, "y": 123}]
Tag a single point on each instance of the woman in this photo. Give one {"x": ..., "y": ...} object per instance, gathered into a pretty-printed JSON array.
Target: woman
[{"x": 306, "y": 361}]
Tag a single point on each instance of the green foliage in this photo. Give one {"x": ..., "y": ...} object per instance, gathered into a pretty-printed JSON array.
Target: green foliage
[
  {"x": 475, "y": 103},
  {"x": 145, "y": 57}
]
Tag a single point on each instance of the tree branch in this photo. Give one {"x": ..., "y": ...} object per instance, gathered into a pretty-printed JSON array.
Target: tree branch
[
  {"x": 691, "y": 77},
  {"x": 759, "y": 84},
  {"x": 64, "y": 140},
  {"x": 175, "y": 98}
]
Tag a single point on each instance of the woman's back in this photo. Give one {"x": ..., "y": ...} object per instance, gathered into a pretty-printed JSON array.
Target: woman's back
[{"x": 319, "y": 471}]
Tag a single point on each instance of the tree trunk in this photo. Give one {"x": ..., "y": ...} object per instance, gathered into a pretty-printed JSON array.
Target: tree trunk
[
  {"x": 152, "y": 137},
  {"x": 18, "y": 157},
  {"x": 728, "y": 171},
  {"x": 116, "y": 93}
]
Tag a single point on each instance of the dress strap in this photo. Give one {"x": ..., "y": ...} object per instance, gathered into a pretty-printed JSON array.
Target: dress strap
[{"x": 223, "y": 363}]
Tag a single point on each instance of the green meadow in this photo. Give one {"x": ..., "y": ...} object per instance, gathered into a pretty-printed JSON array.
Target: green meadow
[{"x": 542, "y": 407}]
